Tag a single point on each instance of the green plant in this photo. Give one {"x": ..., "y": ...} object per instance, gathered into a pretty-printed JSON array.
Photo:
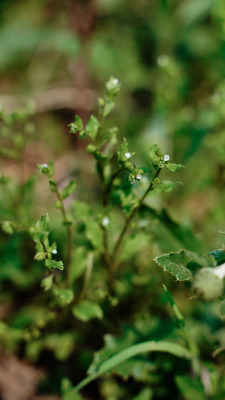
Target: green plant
[{"x": 97, "y": 275}]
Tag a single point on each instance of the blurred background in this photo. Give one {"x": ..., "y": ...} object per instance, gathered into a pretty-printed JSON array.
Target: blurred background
[
  {"x": 169, "y": 57},
  {"x": 55, "y": 57}
]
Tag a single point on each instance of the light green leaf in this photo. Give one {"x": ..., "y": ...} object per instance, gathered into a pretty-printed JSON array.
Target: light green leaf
[
  {"x": 47, "y": 282},
  {"x": 65, "y": 296},
  {"x": 92, "y": 127},
  {"x": 191, "y": 388},
  {"x": 68, "y": 189},
  {"x": 109, "y": 105},
  {"x": 43, "y": 224},
  {"x": 8, "y": 227},
  {"x": 123, "y": 153},
  {"x": 53, "y": 264},
  {"x": 82, "y": 209},
  {"x": 145, "y": 394},
  {"x": 78, "y": 263},
  {"x": 94, "y": 233},
  {"x": 119, "y": 358},
  {"x": 40, "y": 255},
  {"x": 87, "y": 310},
  {"x": 173, "y": 167},
  {"x": 66, "y": 387},
  {"x": 176, "y": 263},
  {"x": 155, "y": 153},
  {"x": 166, "y": 186},
  {"x": 77, "y": 125}
]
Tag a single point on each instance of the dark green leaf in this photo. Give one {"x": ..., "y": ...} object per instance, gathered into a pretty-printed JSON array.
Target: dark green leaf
[
  {"x": 176, "y": 263},
  {"x": 219, "y": 256}
]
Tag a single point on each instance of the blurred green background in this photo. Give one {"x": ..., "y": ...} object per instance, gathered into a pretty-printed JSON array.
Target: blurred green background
[
  {"x": 55, "y": 57},
  {"x": 169, "y": 57}
]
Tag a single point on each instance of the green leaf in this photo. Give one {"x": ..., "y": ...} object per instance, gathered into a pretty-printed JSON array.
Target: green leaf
[
  {"x": 123, "y": 154},
  {"x": 43, "y": 224},
  {"x": 8, "y": 227},
  {"x": 53, "y": 264},
  {"x": 65, "y": 296},
  {"x": 87, "y": 310},
  {"x": 77, "y": 125},
  {"x": 190, "y": 388},
  {"x": 82, "y": 209},
  {"x": 177, "y": 313},
  {"x": 47, "y": 283},
  {"x": 66, "y": 387},
  {"x": 219, "y": 256},
  {"x": 166, "y": 186},
  {"x": 68, "y": 190},
  {"x": 138, "y": 369},
  {"x": 222, "y": 308},
  {"x": 109, "y": 105},
  {"x": 156, "y": 156},
  {"x": 113, "y": 345},
  {"x": 92, "y": 127},
  {"x": 78, "y": 263},
  {"x": 119, "y": 358},
  {"x": 176, "y": 264},
  {"x": 173, "y": 167},
  {"x": 145, "y": 394},
  {"x": 40, "y": 255}
]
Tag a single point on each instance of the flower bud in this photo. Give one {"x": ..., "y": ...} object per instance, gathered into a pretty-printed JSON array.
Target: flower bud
[{"x": 207, "y": 284}]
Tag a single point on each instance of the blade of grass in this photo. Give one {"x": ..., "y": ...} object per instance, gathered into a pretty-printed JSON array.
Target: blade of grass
[{"x": 132, "y": 351}]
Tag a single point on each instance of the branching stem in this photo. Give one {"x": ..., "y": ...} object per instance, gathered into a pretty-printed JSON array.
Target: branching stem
[{"x": 129, "y": 219}]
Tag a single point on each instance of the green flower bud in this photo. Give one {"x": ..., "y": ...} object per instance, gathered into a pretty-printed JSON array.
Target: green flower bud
[{"x": 208, "y": 284}]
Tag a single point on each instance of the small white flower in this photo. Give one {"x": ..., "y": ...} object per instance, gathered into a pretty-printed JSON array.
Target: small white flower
[
  {"x": 162, "y": 60},
  {"x": 138, "y": 177},
  {"x": 127, "y": 155},
  {"x": 54, "y": 251},
  {"x": 115, "y": 81},
  {"x": 44, "y": 165},
  {"x": 220, "y": 271},
  {"x": 105, "y": 221},
  {"x": 166, "y": 157}
]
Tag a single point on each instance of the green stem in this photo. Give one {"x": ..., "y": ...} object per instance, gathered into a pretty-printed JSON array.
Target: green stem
[
  {"x": 45, "y": 249},
  {"x": 69, "y": 235},
  {"x": 129, "y": 219}
]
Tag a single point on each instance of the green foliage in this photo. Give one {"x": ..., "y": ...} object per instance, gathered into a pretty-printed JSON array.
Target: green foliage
[{"x": 99, "y": 299}]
